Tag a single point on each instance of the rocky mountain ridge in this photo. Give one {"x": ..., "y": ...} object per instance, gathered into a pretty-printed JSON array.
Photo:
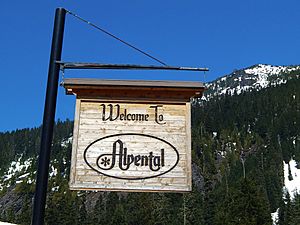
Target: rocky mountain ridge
[{"x": 255, "y": 77}]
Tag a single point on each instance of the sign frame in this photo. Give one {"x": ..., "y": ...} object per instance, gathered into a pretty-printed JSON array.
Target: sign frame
[{"x": 139, "y": 93}]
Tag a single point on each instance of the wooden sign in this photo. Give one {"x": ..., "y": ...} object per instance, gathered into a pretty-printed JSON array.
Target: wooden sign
[{"x": 124, "y": 140}]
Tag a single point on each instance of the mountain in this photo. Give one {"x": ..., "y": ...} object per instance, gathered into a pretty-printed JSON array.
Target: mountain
[
  {"x": 252, "y": 78},
  {"x": 245, "y": 156}
]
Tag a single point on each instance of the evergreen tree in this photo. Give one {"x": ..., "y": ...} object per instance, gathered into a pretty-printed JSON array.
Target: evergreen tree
[
  {"x": 295, "y": 217},
  {"x": 285, "y": 210},
  {"x": 26, "y": 212},
  {"x": 191, "y": 215},
  {"x": 99, "y": 214},
  {"x": 140, "y": 208},
  {"x": 247, "y": 205},
  {"x": 83, "y": 216},
  {"x": 161, "y": 209}
]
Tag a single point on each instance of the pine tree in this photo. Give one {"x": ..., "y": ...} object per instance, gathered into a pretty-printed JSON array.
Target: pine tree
[
  {"x": 83, "y": 216},
  {"x": 25, "y": 216},
  {"x": 295, "y": 218},
  {"x": 140, "y": 207},
  {"x": 99, "y": 214},
  {"x": 247, "y": 205},
  {"x": 161, "y": 209},
  {"x": 192, "y": 209}
]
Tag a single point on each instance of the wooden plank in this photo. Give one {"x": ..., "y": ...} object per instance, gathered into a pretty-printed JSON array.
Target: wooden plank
[
  {"x": 93, "y": 187},
  {"x": 180, "y": 95},
  {"x": 75, "y": 142},
  {"x": 129, "y": 100},
  {"x": 68, "y": 82},
  {"x": 189, "y": 145},
  {"x": 114, "y": 99}
]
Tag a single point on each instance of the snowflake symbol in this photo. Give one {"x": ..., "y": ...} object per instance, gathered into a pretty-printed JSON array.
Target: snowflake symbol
[{"x": 105, "y": 161}]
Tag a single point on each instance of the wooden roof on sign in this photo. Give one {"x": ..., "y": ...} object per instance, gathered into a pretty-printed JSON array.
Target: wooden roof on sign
[{"x": 133, "y": 89}]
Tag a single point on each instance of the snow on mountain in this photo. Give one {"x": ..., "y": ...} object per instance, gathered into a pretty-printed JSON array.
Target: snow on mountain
[
  {"x": 252, "y": 78},
  {"x": 5, "y": 223},
  {"x": 291, "y": 183},
  {"x": 17, "y": 172},
  {"x": 291, "y": 178},
  {"x": 67, "y": 141},
  {"x": 274, "y": 216},
  {"x": 262, "y": 69}
]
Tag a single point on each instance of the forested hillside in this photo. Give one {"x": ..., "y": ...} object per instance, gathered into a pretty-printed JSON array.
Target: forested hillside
[{"x": 240, "y": 144}]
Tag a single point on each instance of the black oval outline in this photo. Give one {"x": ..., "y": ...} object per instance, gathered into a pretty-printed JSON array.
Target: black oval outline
[{"x": 127, "y": 134}]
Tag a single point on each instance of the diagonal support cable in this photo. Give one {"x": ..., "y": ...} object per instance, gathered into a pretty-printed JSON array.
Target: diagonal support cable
[{"x": 115, "y": 37}]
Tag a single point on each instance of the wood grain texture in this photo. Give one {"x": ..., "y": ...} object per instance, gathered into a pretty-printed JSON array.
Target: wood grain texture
[
  {"x": 69, "y": 82},
  {"x": 153, "y": 141},
  {"x": 75, "y": 142}
]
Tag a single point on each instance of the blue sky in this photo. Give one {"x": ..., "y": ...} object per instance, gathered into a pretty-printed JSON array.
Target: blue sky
[{"x": 221, "y": 35}]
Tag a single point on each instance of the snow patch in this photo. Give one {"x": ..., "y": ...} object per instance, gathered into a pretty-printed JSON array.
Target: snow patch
[
  {"x": 53, "y": 172},
  {"x": 66, "y": 142},
  {"x": 4, "y": 223},
  {"x": 223, "y": 78},
  {"x": 262, "y": 69},
  {"x": 291, "y": 185},
  {"x": 203, "y": 98},
  {"x": 17, "y": 167},
  {"x": 262, "y": 81},
  {"x": 30, "y": 181},
  {"x": 274, "y": 216},
  {"x": 55, "y": 188},
  {"x": 215, "y": 134},
  {"x": 24, "y": 175}
]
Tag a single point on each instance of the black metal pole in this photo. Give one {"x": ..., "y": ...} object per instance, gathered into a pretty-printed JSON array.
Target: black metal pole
[{"x": 48, "y": 121}]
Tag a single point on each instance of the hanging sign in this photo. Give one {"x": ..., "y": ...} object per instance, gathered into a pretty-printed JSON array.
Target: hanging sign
[{"x": 122, "y": 143}]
